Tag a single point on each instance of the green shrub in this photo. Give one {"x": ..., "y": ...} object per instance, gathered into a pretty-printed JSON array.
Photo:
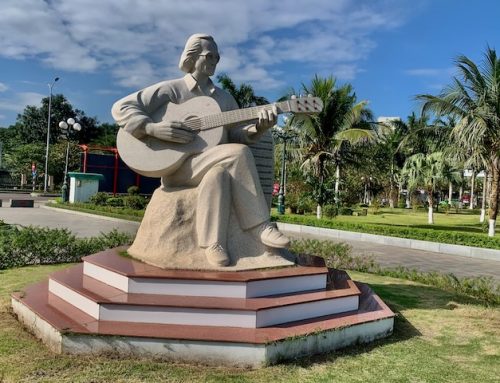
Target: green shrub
[
  {"x": 330, "y": 211},
  {"x": 305, "y": 204},
  {"x": 109, "y": 211},
  {"x": 345, "y": 211},
  {"x": 336, "y": 255},
  {"x": 483, "y": 288},
  {"x": 136, "y": 202},
  {"x": 442, "y": 236},
  {"x": 36, "y": 245},
  {"x": 133, "y": 190},
  {"x": 99, "y": 198},
  {"x": 375, "y": 205},
  {"x": 115, "y": 201}
]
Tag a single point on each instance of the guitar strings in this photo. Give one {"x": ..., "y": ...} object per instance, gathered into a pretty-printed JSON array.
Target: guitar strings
[{"x": 237, "y": 115}]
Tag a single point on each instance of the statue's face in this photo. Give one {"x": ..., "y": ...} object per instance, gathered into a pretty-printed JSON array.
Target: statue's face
[{"x": 207, "y": 59}]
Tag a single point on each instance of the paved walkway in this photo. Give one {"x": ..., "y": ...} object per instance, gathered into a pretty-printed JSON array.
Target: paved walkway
[
  {"x": 80, "y": 225},
  {"x": 392, "y": 256}
]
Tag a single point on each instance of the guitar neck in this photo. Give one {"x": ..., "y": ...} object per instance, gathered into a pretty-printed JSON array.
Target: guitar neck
[{"x": 237, "y": 116}]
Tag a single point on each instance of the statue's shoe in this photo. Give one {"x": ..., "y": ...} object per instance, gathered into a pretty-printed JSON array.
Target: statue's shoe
[
  {"x": 217, "y": 255},
  {"x": 272, "y": 237}
]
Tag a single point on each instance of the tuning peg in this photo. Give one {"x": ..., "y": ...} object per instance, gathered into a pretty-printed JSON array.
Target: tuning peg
[{"x": 293, "y": 97}]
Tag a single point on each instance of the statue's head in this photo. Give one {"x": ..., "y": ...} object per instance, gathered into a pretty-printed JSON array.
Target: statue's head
[{"x": 199, "y": 47}]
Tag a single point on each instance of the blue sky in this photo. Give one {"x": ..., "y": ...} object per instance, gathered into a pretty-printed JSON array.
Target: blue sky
[{"x": 389, "y": 50}]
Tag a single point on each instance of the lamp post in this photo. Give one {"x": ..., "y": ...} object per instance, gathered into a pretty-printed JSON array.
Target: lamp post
[
  {"x": 66, "y": 127},
  {"x": 51, "y": 85},
  {"x": 284, "y": 135}
]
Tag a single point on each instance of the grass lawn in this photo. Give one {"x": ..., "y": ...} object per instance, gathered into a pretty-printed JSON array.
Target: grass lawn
[
  {"x": 464, "y": 221},
  {"x": 462, "y": 228},
  {"x": 438, "y": 337}
]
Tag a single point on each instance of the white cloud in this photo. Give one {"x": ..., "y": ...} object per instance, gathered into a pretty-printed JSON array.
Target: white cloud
[
  {"x": 430, "y": 72},
  {"x": 20, "y": 100},
  {"x": 3, "y": 87},
  {"x": 139, "y": 41}
]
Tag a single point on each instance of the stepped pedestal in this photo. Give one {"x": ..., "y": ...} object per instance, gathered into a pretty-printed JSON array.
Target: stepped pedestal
[{"x": 111, "y": 303}]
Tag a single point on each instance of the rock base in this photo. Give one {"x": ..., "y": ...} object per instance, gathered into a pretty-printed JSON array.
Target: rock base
[{"x": 167, "y": 237}]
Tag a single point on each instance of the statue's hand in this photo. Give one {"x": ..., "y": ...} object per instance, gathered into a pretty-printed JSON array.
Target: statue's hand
[
  {"x": 267, "y": 119},
  {"x": 172, "y": 131}
]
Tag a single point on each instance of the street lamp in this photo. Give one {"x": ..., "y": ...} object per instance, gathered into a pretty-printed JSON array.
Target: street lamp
[
  {"x": 66, "y": 127},
  {"x": 284, "y": 135},
  {"x": 51, "y": 85}
]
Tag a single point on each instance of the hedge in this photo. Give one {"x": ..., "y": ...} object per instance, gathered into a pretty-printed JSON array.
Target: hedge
[
  {"x": 450, "y": 237},
  {"x": 36, "y": 245}
]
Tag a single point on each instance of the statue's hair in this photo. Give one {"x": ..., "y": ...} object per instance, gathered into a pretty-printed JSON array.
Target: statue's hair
[{"x": 192, "y": 50}]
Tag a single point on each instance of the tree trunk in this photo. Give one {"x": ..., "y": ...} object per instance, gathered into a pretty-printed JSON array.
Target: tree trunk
[
  {"x": 488, "y": 186},
  {"x": 450, "y": 192},
  {"x": 483, "y": 201},
  {"x": 391, "y": 187},
  {"x": 460, "y": 192},
  {"x": 494, "y": 197},
  {"x": 398, "y": 196},
  {"x": 318, "y": 212},
  {"x": 472, "y": 185},
  {"x": 321, "y": 200},
  {"x": 430, "y": 200},
  {"x": 337, "y": 183},
  {"x": 430, "y": 217}
]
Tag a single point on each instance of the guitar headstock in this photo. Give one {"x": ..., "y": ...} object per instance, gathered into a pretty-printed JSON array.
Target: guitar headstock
[{"x": 305, "y": 105}]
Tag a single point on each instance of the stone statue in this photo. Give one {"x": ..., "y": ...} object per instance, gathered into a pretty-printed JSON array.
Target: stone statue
[{"x": 223, "y": 173}]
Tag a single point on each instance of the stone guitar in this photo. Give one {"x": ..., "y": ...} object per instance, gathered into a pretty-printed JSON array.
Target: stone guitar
[{"x": 152, "y": 157}]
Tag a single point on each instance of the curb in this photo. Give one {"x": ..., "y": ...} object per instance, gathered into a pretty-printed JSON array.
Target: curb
[
  {"x": 103, "y": 217},
  {"x": 436, "y": 247}
]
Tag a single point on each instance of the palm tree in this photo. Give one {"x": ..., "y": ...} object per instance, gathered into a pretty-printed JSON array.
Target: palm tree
[
  {"x": 326, "y": 136},
  {"x": 425, "y": 171},
  {"x": 473, "y": 99},
  {"x": 244, "y": 95},
  {"x": 403, "y": 139},
  {"x": 391, "y": 136}
]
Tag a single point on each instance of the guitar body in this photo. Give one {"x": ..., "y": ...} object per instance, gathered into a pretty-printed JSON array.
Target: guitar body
[
  {"x": 156, "y": 158},
  {"x": 152, "y": 157}
]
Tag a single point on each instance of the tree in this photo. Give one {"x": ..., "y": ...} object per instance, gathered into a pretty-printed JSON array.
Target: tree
[
  {"x": 20, "y": 159},
  {"x": 31, "y": 124},
  {"x": 326, "y": 136},
  {"x": 391, "y": 137},
  {"x": 473, "y": 99},
  {"x": 106, "y": 135},
  {"x": 244, "y": 95},
  {"x": 425, "y": 171}
]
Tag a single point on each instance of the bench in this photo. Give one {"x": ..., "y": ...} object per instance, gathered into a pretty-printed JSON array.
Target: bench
[{"x": 22, "y": 203}]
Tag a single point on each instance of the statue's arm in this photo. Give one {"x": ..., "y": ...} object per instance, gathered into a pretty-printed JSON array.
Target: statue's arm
[
  {"x": 134, "y": 114},
  {"x": 135, "y": 111}
]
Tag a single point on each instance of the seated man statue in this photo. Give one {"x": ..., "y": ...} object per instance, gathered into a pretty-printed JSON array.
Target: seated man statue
[{"x": 225, "y": 175}]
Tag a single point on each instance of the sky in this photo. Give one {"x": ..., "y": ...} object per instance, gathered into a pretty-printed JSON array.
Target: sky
[{"x": 389, "y": 50}]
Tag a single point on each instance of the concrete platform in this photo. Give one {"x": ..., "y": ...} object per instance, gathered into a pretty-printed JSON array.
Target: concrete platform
[{"x": 71, "y": 314}]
